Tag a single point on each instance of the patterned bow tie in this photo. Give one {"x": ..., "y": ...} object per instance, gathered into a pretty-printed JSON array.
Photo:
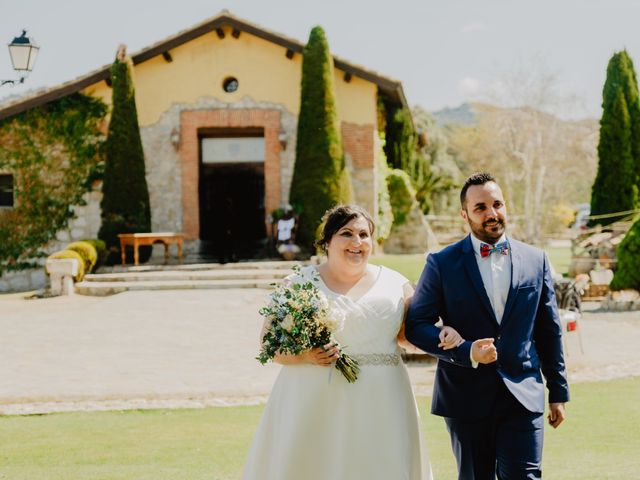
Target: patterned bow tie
[{"x": 486, "y": 250}]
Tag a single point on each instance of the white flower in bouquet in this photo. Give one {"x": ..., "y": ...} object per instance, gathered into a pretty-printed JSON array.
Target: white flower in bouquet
[{"x": 287, "y": 322}]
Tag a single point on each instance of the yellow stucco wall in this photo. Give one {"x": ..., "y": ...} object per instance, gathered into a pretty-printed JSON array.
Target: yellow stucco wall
[{"x": 264, "y": 73}]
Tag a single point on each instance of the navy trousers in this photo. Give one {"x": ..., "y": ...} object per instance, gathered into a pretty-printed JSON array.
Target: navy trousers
[{"x": 507, "y": 443}]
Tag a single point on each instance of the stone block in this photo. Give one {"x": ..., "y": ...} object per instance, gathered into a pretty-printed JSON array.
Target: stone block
[{"x": 62, "y": 272}]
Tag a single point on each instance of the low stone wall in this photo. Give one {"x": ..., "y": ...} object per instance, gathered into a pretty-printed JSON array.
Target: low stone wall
[
  {"x": 413, "y": 236},
  {"x": 621, "y": 301},
  {"x": 23, "y": 281},
  {"x": 84, "y": 225}
]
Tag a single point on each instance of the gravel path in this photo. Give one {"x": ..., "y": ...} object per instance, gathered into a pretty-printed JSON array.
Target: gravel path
[{"x": 195, "y": 348}]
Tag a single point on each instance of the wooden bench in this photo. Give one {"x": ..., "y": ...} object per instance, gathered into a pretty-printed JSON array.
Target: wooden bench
[{"x": 138, "y": 239}]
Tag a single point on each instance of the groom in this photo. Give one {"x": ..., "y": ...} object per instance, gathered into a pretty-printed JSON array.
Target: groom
[{"x": 498, "y": 294}]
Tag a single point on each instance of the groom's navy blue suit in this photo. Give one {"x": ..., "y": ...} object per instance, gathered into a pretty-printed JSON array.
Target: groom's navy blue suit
[{"x": 493, "y": 411}]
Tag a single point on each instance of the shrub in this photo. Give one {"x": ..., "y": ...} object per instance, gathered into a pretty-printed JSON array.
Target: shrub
[
  {"x": 101, "y": 249},
  {"x": 88, "y": 253},
  {"x": 66, "y": 254},
  {"x": 628, "y": 269},
  {"x": 402, "y": 194}
]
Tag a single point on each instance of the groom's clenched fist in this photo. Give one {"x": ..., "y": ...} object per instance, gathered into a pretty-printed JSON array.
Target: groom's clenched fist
[{"x": 484, "y": 351}]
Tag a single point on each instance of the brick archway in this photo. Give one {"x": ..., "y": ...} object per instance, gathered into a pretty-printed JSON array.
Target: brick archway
[{"x": 193, "y": 120}]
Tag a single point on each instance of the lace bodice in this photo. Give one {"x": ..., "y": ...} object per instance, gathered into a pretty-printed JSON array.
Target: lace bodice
[{"x": 372, "y": 322}]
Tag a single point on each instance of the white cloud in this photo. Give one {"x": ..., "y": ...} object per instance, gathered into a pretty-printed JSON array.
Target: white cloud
[
  {"x": 473, "y": 27},
  {"x": 469, "y": 87}
]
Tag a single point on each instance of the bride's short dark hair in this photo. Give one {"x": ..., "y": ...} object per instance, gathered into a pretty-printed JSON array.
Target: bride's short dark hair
[{"x": 336, "y": 218}]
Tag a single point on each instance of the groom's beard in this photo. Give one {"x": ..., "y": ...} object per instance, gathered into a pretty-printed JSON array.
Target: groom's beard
[{"x": 489, "y": 231}]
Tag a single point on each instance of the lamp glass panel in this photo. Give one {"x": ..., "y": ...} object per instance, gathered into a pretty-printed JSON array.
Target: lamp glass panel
[
  {"x": 32, "y": 57},
  {"x": 20, "y": 56}
]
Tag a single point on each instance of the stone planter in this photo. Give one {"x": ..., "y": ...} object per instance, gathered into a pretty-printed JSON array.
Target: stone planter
[{"x": 62, "y": 272}]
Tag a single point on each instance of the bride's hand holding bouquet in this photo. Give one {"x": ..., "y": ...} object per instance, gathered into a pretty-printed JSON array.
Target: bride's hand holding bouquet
[{"x": 300, "y": 321}]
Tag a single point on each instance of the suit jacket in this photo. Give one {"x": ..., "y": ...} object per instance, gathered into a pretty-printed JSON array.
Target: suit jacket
[{"x": 528, "y": 339}]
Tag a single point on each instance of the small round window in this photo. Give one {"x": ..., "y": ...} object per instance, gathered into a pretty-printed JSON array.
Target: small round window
[{"x": 230, "y": 84}]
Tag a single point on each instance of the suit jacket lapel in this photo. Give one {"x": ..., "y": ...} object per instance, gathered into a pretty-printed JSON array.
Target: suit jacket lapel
[
  {"x": 471, "y": 266},
  {"x": 516, "y": 268}
]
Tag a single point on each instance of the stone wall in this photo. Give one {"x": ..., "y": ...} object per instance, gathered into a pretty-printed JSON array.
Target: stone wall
[
  {"x": 413, "y": 236},
  {"x": 163, "y": 159}
]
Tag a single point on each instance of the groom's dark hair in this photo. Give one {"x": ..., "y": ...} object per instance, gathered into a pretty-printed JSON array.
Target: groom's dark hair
[{"x": 479, "y": 178}]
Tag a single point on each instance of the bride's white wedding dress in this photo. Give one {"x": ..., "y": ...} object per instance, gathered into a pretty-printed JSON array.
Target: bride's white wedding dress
[{"x": 316, "y": 425}]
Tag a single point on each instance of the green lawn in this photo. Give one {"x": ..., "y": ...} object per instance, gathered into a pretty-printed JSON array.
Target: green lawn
[
  {"x": 411, "y": 265},
  {"x": 560, "y": 258},
  {"x": 600, "y": 440}
]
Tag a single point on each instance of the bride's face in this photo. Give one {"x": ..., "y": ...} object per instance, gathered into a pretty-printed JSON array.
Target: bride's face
[{"x": 351, "y": 244}]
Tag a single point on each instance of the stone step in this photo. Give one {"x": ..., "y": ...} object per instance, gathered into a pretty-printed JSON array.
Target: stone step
[
  {"x": 110, "y": 288},
  {"x": 191, "y": 275},
  {"x": 261, "y": 265}
]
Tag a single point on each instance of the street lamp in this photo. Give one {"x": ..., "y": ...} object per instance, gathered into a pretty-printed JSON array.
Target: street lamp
[{"x": 23, "y": 52}]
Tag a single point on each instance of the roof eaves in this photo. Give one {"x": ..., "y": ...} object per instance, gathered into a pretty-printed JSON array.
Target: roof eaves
[{"x": 390, "y": 87}]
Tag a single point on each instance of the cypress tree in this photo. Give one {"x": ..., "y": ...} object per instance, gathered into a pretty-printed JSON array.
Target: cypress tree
[
  {"x": 320, "y": 177},
  {"x": 628, "y": 254},
  {"x": 125, "y": 201},
  {"x": 616, "y": 185},
  {"x": 629, "y": 85}
]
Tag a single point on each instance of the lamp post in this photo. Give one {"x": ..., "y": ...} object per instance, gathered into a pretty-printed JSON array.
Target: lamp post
[{"x": 23, "y": 52}]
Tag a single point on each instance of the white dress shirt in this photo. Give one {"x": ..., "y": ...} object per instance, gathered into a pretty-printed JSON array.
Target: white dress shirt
[{"x": 495, "y": 271}]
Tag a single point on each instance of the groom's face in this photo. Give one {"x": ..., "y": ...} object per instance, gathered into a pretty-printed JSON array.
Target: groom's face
[{"x": 485, "y": 211}]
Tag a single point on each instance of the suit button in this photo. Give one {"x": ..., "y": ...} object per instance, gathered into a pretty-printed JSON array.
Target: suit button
[{"x": 499, "y": 337}]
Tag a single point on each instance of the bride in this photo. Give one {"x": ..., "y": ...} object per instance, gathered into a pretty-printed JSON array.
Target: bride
[{"x": 316, "y": 425}]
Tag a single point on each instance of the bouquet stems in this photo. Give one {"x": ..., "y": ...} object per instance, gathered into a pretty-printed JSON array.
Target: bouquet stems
[{"x": 348, "y": 367}]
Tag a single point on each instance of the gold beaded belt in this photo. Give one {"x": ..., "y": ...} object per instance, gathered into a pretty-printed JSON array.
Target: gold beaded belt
[{"x": 378, "y": 359}]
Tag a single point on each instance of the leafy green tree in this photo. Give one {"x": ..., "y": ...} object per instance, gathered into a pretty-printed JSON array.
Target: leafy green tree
[
  {"x": 320, "y": 177},
  {"x": 400, "y": 147},
  {"x": 628, "y": 268},
  {"x": 125, "y": 202},
  {"x": 616, "y": 185},
  {"x": 437, "y": 178},
  {"x": 53, "y": 151}
]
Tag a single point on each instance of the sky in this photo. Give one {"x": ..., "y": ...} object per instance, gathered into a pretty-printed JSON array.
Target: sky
[{"x": 445, "y": 52}]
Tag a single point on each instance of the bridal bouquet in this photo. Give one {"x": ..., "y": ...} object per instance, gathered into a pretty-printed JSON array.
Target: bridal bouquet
[{"x": 299, "y": 318}]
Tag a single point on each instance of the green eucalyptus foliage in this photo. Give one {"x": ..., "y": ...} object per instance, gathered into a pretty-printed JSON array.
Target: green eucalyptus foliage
[
  {"x": 616, "y": 185},
  {"x": 628, "y": 254},
  {"x": 125, "y": 204},
  {"x": 320, "y": 177},
  {"x": 53, "y": 151}
]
